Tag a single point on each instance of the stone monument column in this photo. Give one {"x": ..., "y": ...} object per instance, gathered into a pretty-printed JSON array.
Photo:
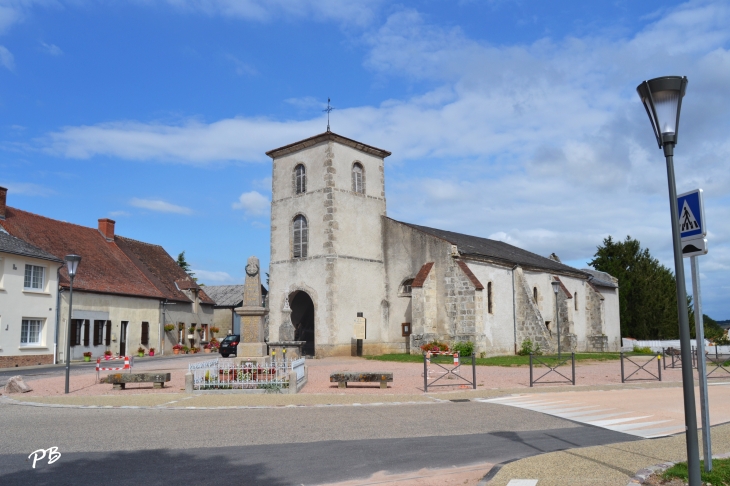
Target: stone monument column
[{"x": 252, "y": 314}]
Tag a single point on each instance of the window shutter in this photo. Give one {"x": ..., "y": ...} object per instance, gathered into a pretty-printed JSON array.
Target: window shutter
[
  {"x": 305, "y": 238},
  {"x": 108, "y": 333},
  {"x": 86, "y": 332},
  {"x": 145, "y": 333},
  {"x": 74, "y": 333},
  {"x": 97, "y": 325}
]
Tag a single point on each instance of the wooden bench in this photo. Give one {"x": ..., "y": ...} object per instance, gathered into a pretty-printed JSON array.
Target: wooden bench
[
  {"x": 120, "y": 379},
  {"x": 342, "y": 377}
]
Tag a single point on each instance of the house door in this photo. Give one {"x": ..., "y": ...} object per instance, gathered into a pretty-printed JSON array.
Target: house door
[
  {"x": 302, "y": 317},
  {"x": 123, "y": 339}
]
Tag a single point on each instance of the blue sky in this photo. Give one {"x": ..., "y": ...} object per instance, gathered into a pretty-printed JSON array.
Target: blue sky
[{"x": 515, "y": 120}]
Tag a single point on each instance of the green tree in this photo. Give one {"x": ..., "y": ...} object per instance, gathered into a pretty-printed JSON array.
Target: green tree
[
  {"x": 182, "y": 263},
  {"x": 713, "y": 331},
  {"x": 647, "y": 289}
]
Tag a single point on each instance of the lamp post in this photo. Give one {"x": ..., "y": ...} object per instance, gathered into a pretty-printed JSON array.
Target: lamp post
[
  {"x": 72, "y": 263},
  {"x": 556, "y": 286},
  {"x": 662, "y": 99}
]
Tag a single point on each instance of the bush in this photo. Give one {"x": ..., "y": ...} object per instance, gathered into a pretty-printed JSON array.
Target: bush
[
  {"x": 464, "y": 348},
  {"x": 529, "y": 348},
  {"x": 435, "y": 347},
  {"x": 643, "y": 350},
  {"x": 721, "y": 341}
]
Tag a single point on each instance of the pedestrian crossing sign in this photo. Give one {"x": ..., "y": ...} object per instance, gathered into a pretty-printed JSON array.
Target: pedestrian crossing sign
[{"x": 691, "y": 215}]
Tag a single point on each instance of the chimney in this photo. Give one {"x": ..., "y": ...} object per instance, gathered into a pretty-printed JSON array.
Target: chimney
[
  {"x": 106, "y": 228},
  {"x": 3, "y": 199}
]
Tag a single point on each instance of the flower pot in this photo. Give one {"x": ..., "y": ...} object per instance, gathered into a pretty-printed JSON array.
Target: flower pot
[
  {"x": 141, "y": 355},
  {"x": 175, "y": 351},
  {"x": 87, "y": 358},
  {"x": 152, "y": 353},
  {"x": 107, "y": 357},
  {"x": 206, "y": 350}
]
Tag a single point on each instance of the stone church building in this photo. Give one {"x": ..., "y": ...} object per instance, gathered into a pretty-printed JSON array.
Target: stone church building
[{"x": 335, "y": 253}]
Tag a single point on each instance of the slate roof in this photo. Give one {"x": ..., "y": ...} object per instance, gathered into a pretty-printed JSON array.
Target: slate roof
[
  {"x": 228, "y": 295},
  {"x": 496, "y": 250},
  {"x": 325, "y": 137},
  {"x": 601, "y": 279},
  {"x": 16, "y": 246},
  {"x": 123, "y": 266}
]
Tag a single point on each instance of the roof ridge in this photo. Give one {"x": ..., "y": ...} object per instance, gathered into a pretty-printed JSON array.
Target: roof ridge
[
  {"x": 139, "y": 241},
  {"x": 54, "y": 220}
]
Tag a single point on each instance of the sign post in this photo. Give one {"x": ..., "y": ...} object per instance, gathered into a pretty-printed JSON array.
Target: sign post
[
  {"x": 360, "y": 331},
  {"x": 693, "y": 231}
]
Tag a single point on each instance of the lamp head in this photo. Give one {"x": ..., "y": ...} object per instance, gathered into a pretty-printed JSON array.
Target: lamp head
[
  {"x": 72, "y": 263},
  {"x": 662, "y": 99},
  {"x": 556, "y": 286}
]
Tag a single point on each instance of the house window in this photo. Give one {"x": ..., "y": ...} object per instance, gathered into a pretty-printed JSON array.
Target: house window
[
  {"x": 181, "y": 332},
  {"x": 406, "y": 288},
  {"x": 534, "y": 294},
  {"x": 34, "y": 277},
  {"x": 99, "y": 333},
  {"x": 86, "y": 332},
  {"x": 358, "y": 178},
  {"x": 30, "y": 332},
  {"x": 301, "y": 237},
  {"x": 145, "y": 339},
  {"x": 75, "y": 337},
  {"x": 204, "y": 332},
  {"x": 575, "y": 300},
  {"x": 300, "y": 179},
  {"x": 489, "y": 297}
]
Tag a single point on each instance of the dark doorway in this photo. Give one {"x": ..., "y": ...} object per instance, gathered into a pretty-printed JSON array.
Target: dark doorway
[
  {"x": 302, "y": 317},
  {"x": 123, "y": 339}
]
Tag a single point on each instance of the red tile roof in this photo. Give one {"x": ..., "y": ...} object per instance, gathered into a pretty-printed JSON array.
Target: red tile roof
[
  {"x": 122, "y": 266},
  {"x": 474, "y": 280},
  {"x": 422, "y": 275}
]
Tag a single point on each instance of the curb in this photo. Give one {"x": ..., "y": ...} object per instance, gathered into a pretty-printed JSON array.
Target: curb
[{"x": 643, "y": 474}]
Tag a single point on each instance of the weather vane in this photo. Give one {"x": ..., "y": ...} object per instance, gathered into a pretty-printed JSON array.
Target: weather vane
[{"x": 328, "y": 110}]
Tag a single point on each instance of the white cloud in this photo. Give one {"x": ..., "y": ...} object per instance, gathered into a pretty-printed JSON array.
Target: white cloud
[
  {"x": 253, "y": 203},
  {"x": 15, "y": 11},
  {"x": 212, "y": 276},
  {"x": 116, "y": 214},
  {"x": 26, "y": 189},
  {"x": 242, "y": 68},
  {"x": 51, "y": 49},
  {"x": 6, "y": 58},
  {"x": 159, "y": 206}
]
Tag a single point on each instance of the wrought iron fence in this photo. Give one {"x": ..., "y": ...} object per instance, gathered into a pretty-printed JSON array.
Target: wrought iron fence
[
  {"x": 639, "y": 366},
  {"x": 673, "y": 358},
  {"x": 721, "y": 361},
  {"x": 552, "y": 363},
  {"x": 226, "y": 374},
  {"x": 433, "y": 371}
]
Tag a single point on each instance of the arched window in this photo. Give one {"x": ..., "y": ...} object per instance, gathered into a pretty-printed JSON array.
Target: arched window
[
  {"x": 301, "y": 237},
  {"x": 489, "y": 297},
  {"x": 575, "y": 300},
  {"x": 300, "y": 179},
  {"x": 534, "y": 294},
  {"x": 406, "y": 288},
  {"x": 358, "y": 178}
]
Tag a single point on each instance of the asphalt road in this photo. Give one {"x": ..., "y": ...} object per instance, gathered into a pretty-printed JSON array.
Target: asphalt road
[{"x": 277, "y": 446}]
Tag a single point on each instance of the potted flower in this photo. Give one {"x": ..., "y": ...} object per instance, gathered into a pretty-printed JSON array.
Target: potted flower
[
  {"x": 213, "y": 330},
  {"x": 177, "y": 348},
  {"x": 140, "y": 351},
  {"x": 152, "y": 351},
  {"x": 108, "y": 354},
  {"x": 206, "y": 348},
  {"x": 169, "y": 327},
  {"x": 191, "y": 329},
  {"x": 185, "y": 350},
  {"x": 87, "y": 356}
]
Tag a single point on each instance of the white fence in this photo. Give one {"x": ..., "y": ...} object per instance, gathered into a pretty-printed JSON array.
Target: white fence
[
  {"x": 658, "y": 346},
  {"x": 226, "y": 374}
]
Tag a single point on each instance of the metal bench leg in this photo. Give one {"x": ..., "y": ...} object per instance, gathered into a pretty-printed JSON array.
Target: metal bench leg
[
  {"x": 118, "y": 386},
  {"x": 342, "y": 384},
  {"x": 383, "y": 384},
  {"x": 158, "y": 384}
]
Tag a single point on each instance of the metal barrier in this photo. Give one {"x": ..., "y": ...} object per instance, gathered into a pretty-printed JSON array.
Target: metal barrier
[
  {"x": 559, "y": 361},
  {"x": 128, "y": 363},
  {"x": 448, "y": 373},
  {"x": 719, "y": 360},
  {"x": 641, "y": 367},
  {"x": 673, "y": 358},
  {"x": 272, "y": 375}
]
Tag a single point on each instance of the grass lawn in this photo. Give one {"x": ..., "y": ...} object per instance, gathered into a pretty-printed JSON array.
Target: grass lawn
[
  {"x": 500, "y": 360},
  {"x": 720, "y": 475}
]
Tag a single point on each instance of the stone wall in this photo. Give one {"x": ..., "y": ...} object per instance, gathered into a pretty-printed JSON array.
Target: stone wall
[
  {"x": 530, "y": 324},
  {"x": 25, "y": 360},
  {"x": 595, "y": 333},
  {"x": 568, "y": 338}
]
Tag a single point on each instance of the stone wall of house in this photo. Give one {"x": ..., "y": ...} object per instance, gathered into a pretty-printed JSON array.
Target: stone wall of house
[
  {"x": 424, "y": 313},
  {"x": 530, "y": 324},
  {"x": 25, "y": 360},
  {"x": 568, "y": 338},
  {"x": 596, "y": 340}
]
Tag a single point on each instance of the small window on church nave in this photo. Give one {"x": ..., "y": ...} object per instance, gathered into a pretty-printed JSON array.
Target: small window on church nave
[
  {"x": 300, "y": 179},
  {"x": 575, "y": 300},
  {"x": 358, "y": 178},
  {"x": 301, "y": 237},
  {"x": 406, "y": 288},
  {"x": 489, "y": 297},
  {"x": 534, "y": 294}
]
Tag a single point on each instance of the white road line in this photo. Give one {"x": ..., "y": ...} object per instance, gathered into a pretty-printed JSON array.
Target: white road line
[
  {"x": 522, "y": 482},
  {"x": 640, "y": 425},
  {"x": 605, "y": 423}
]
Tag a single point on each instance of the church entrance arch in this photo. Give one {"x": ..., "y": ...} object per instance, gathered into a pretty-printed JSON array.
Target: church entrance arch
[{"x": 302, "y": 317}]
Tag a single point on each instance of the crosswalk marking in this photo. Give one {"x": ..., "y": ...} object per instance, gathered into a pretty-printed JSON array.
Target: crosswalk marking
[
  {"x": 625, "y": 421},
  {"x": 522, "y": 482}
]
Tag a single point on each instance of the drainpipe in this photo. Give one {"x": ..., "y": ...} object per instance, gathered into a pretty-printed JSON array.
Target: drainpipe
[
  {"x": 514, "y": 306},
  {"x": 58, "y": 314}
]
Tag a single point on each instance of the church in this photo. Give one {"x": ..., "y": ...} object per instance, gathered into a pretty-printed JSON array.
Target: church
[{"x": 336, "y": 255}]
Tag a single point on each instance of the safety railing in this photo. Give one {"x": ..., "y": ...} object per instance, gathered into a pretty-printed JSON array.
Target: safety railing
[
  {"x": 639, "y": 367},
  {"x": 719, "y": 361},
  {"x": 551, "y": 363},
  {"x": 673, "y": 358},
  {"x": 226, "y": 374},
  {"x": 439, "y": 366}
]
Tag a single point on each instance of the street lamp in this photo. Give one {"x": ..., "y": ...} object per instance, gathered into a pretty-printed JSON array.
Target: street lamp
[
  {"x": 556, "y": 286},
  {"x": 72, "y": 263},
  {"x": 662, "y": 99}
]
